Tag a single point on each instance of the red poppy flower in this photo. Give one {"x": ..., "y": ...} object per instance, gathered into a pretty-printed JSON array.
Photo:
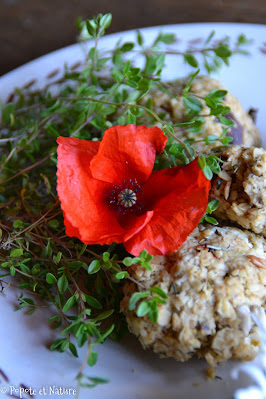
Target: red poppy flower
[{"x": 109, "y": 193}]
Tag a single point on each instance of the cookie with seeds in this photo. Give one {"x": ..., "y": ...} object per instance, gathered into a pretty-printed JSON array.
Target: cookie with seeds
[
  {"x": 213, "y": 282},
  {"x": 243, "y": 132},
  {"x": 241, "y": 187}
]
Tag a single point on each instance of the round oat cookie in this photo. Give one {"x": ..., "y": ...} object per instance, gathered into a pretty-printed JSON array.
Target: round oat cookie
[
  {"x": 213, "y": 282},
  {"x": 244, "y": 131},
  {"x": 241, "y": 187}
]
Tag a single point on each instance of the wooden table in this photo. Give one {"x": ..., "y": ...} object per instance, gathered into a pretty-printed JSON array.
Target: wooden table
[{"x": 31, "y": 28}]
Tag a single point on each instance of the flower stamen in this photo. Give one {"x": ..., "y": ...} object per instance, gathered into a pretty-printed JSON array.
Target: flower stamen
[{"x": 127, "y": 198}]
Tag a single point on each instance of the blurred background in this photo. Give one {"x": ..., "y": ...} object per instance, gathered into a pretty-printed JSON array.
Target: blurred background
[{"x": 31, "y": 28}]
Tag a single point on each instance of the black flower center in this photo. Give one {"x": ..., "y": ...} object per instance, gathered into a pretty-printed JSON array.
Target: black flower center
[{"x": 127, "y": 198}]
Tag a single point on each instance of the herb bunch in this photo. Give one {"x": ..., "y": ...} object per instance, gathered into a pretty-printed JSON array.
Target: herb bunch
[{"x": 83, "y": 284}]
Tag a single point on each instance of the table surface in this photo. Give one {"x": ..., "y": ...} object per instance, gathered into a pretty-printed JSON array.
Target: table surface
[{"x": 31, "y": 28}]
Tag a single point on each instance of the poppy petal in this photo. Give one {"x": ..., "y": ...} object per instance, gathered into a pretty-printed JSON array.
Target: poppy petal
[
  {"x": 71, "y": 231},
  {"x": 127, "y": 152},
  {"x": 179, "y": 198},
  {"x": 84, "y": 200}
]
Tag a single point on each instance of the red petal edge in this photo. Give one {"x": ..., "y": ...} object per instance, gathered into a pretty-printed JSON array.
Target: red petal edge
[
  {"x": 127, "y": 152},
  {"x": 179, "y": 198}
]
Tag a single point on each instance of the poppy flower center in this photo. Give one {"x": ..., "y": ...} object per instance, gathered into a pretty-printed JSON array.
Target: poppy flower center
[{"x": 127, "y": 198}]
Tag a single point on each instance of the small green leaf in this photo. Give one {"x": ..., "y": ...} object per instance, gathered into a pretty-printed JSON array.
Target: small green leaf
[
  {"x": 69, "y": 303},
  {"x": 16, "y": 253},
  {"x": 105, "y": 21},
  {"x": 210, "y": 102},
  {"x": 91, "y": 28},
  {"x": 27, "y": 301},
  {"x": 106, "y": 334},
  {"x": 17, "y": 224},
  {"x": 136, "y": 297},
  {"x": 193, "y": 77},
  {"x": 143, "y": 254},
  {"x": 225, "y": 121},
  {"x": 73, "y": 349},
  {"x": 104, "y": 315},
  {"x": 47, "y": 251},
  {"x": 159, "y": 291},
  {"x": 223, "y": 51},
  {"x": 217, "y": 94},
  {"x": 167, "y": 38},
  {"x": 93, "y": 357},
  {"x": 191, "y": 60},
  {"x": 54, "y": 318},
  {"x": 126, "y": 67},
  {"x": 62, "y": 284},
  {"x": 93, "y": 302},
  {"x": 209, "y": 38},
  {"x": 207, "y": 172},
  {"x": 94, "y": 267},
  {"x": 132, "y": 83},
  {"x": 146, "y": 266},
  {"x": 24, "y": 269},
  {"x": 131, "y": 119},
  {"x": 185, "y": 124},
  {"x": 51, "y": 279},
  {"x": 56, "y": 344},
  {"x": 211, "y": 220},
  {"x": 94, "y": 381},
  {"x": 126, "y": 47},
  {"x": 139, "y": 38},
  {"x": 192, "y": 103},
  {"x": 211, "y": 139},
  {"x": 57, "y": 257},
  {"x": 143, "y": 309},
  {"x": 153, "y": 312},
  {"x": 128, "y": 261},
  {"x": 122, "y": 275},
  {"x": 106, "y": 256},
  {"x": 212, "y": 206}
]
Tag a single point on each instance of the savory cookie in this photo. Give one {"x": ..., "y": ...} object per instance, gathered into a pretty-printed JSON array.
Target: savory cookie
[
  {"x": 244, "y": 131},
  {"x": 213, "y": 282},
  {"x": 241, "y": 187}
]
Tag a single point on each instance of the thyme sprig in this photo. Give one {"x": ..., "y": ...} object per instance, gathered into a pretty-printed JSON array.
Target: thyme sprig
[{"x": 83, "y": 285}]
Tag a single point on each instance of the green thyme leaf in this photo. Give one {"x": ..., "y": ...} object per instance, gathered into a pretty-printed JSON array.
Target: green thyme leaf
[
  {"x": 226, "y": 121},
  {"x": 16, "y": 253},
  {"x": 126, "y": 47},
  {"x": 159, "y": 291},
  {"x": 94, "y": 267},
  {"x": 153, "y": 312},
  {"x": 211, "y": 220},
  {"x": 191, "y": 60},
  {"x": 212, "y": 206},
  {"x": 93, "y": 357},
  {"x": 192, "y": 103},
  {"x": 143, "y": 309},
  {"x": 69, "y": 303},
  {"x": 73, "y": 349},
  {"x": 122, "y": 275},
  {"x": 140, "y": 38},
  {"x": 62, "y": 284},
  {"x": 136, "y": 297},
  {"x": 105, "y": 21},
  {"x": 91, "y": 301}
]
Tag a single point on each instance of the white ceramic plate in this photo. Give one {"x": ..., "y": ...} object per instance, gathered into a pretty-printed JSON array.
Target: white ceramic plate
[{"x": 133, "y": 373}]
